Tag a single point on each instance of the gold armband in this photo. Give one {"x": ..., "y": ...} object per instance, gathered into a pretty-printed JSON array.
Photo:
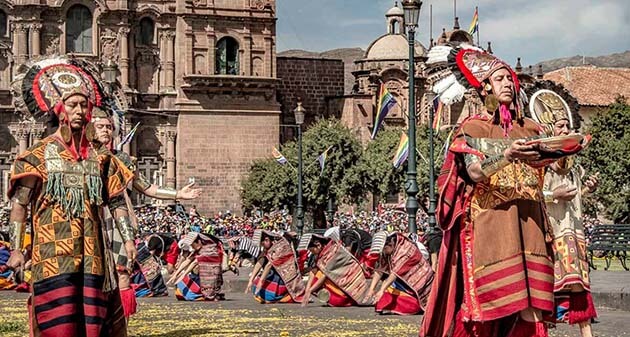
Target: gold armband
[
  {"x": 22, "y": 195},
  {"x": 141, "y": 183},
  {"x": 126, "y": 229},
  {"x": 492, "y": 165},
  {"x": 548, "y": 195},
  {"x": 166, "y": 193},
  {"x": 16, "y": 232}
]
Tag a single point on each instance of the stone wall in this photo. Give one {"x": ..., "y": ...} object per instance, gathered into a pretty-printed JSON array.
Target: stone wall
[
  {"x": 217, "y": 149},
  {"x": 311, "y": 79}
]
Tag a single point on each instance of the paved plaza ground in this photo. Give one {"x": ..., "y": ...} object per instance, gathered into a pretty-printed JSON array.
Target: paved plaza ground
[{"x": 240, "y": 315}]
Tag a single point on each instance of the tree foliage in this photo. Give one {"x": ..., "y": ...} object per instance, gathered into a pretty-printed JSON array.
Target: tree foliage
[
  {"x": 376, "y": 168},
  {"x": 270, "y": 185},
  {"x": 609, "y": 154},
  {"x": 349, "y": 175}
]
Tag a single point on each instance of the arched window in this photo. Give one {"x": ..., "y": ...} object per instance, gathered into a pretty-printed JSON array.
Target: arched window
[
  {"x": 3, "y": 23},
  {"x": 145, "y": 33},
  {"x": 227, "y": 56},
  {"x": 79, "y": 30},
  {"x": 394, "y": 27}
]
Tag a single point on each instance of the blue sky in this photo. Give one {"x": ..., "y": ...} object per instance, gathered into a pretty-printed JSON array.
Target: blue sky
[{"x": 535, "y": 30}]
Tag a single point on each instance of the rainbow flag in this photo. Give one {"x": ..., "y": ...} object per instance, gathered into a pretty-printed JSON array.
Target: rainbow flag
[
  {"x": 386, "y": 102},
  {"x": 278, "y": 156},
  {"x": 402, "y": 152},
  {"x": 438, "y": 109},
  {"x": 322, "y": 159},
  {"x": 474, "y": 25}
]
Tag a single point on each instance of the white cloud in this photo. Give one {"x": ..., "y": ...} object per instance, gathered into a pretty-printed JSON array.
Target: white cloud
[{"x": 534, "y": 29}]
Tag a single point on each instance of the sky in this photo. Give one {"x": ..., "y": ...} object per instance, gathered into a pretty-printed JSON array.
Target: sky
[{"x": 535, "y": 30}]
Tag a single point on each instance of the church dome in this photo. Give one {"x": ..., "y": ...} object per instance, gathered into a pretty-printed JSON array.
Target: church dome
[
  {"x": 392, "y": 47},
  {"x": 395, "y": 11}
]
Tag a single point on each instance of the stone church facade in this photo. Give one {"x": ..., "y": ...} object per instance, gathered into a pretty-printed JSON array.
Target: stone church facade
[{"x": 200, "y": 77}]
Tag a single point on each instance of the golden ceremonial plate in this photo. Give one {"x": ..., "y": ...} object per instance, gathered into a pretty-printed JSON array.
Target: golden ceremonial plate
[{"x": 559, "y": 142}]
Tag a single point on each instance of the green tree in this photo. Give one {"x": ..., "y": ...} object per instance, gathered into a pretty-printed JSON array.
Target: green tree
[
  {"x": 609, "y": 154},
  {"x": 270, "y": 185},
  {"x": 376, "y": 168},
  {"x": 378, "y": 173}
]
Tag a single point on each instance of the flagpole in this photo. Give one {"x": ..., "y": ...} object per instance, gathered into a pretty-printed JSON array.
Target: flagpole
[
  {"x": 430, "y": 26},
  {"x": 454, "y": 9},
  {"x": 477, "y": 11}
]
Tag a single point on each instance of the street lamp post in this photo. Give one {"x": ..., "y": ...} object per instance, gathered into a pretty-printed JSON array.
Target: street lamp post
[
  {"x": 110, "y": 71},
  {"x": 412, "y": 12},
  {"x": 299, "y": 120}
]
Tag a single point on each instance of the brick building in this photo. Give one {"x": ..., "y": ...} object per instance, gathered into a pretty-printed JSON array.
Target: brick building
[
  {"x": 200, "y": 76},
  {"x": 313, "y": 81}
]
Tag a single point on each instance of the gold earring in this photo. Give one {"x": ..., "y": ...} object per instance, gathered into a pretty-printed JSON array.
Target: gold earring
[
  {"x": 90, "y": 132},
  {"x": 492, "y": 103},
  {"x": 66, "y": 133}
]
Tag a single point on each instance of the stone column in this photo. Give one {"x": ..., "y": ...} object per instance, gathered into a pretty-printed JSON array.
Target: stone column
[
  {"x": 36, "y": 41},
  {"x": 188, "y": 52},
  {"x": 20, "y": 42},
  {"x": 123, "y": 34},
  {"x": 212, "y": 50},
  {"x": 268, "y": 53},
  {"x": 169, "y": 63},
  {"x": 38, "y": 132},
  {"x": 21, "y": 132},
  {"x": 171, "y": 134},
  {"x": 247, "y": 54}
]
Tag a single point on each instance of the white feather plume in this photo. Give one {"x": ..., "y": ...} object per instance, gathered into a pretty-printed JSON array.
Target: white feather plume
[
  {"x": 453, "y": 94},
  {"x": 469, "y": 46},
  {"x": 440, "y": 86},
  {"x": 438, "y": 54}
]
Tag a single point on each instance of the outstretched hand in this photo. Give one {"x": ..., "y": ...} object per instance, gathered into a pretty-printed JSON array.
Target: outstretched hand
[
  {"x": 188, "y": 192},
  {"x": 519, "y": 150}
]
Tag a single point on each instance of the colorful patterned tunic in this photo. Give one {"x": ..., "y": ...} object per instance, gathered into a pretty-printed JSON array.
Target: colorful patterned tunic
[
  {"x": 506, "y": 260},
  {"x": 569, "y": 243},
  {"x": 73, "y": 293}
]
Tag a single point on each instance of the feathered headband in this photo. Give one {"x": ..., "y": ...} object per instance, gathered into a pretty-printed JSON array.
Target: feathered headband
[
  {"x": 40, "y": 86},
  {"x": 453, "y": 71}
]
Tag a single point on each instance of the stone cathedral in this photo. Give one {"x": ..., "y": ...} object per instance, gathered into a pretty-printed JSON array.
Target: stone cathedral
[{"x": 199, "y": 75}]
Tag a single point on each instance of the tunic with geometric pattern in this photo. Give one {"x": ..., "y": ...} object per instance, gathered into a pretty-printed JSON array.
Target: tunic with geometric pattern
[{"x": 71, "y": 293}]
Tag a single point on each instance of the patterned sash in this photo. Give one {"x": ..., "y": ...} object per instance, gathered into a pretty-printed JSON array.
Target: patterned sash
[
  {"x": 282, "y": 258},
  {"x": 409, "y": 265},
  {"x": 210, "y": 272},
  {"x": 151, "y": 270},
  {"x": 343, "y": 269}
]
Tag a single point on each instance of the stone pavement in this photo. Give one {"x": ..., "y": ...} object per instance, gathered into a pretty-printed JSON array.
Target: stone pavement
[
  {"x": 611, "y": 289},
  {"x": 240, "y": 315}
]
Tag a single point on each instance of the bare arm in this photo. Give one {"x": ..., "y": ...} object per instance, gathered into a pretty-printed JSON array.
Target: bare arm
[
  {"x": 141, "y": 185},
  {"x": 263, "y": 277},
  {"x": 310, "y": 287},
  {"x": 257, "y": 268},
  {"x": 482, "y": 170},
  {"x": 123, "y": 222},
  {"x": 17, "y": 219},
  {"x": 375, "y": 278},
  {"x": 388, "y": 282}
]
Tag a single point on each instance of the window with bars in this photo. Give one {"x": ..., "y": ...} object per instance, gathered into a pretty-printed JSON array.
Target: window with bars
[{"x": 79, "y": 30}]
